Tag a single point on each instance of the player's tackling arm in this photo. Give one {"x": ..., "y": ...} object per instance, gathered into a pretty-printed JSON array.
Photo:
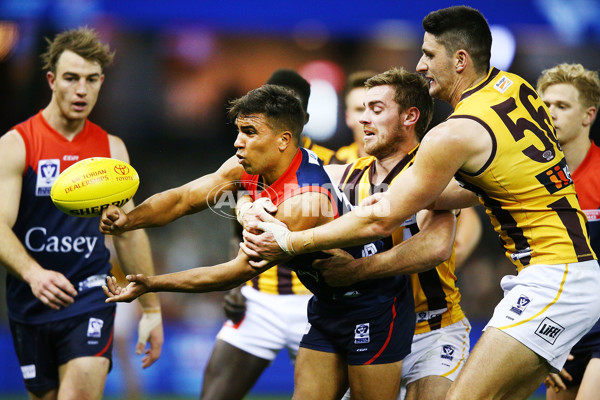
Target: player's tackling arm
[
  {"x": 442, "y": 152},
  {"x": 302, "y": 211},
  {"x": 165, "y": 207},
  {"x": 50, "y": 287},
  {"x": 431, "y": 246}
]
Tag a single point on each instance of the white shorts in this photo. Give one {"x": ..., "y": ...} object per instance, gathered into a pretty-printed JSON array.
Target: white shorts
[
  {"x": 272, "y": 322},
  {"x": 549, "y": 308},
  {"x": 441, "y": 352}
]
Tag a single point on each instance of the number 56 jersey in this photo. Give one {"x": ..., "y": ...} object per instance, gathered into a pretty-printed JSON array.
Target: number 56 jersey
[{"x": 525, "y": 184}]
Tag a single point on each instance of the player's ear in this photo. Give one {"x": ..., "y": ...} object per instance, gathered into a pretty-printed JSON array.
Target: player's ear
[
  {"x": 590, "y": 116},
  {"x": 285, "y": 139},
  {"x": 51, "y": 78},
  {"x": 461, "y": 60},
  {"x": 411, "y": 116}
]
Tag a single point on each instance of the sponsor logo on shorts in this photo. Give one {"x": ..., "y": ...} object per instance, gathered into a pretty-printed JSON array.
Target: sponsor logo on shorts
[
  {"x": 549, "y": 330},
  {"x": 92, "y": 282},
  {"x": 28, "y": 371},
  {"x": 361, "y": 334},
  {"x": 520, "y": 305},
  {"x": 447, "y": 352},
  {"x": 95, "y": 327},
  {"x": 48, "y": 171}
]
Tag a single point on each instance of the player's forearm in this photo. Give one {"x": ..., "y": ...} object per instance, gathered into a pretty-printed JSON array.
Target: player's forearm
[
  {"x": 201, "y": 280},
  {"x": 422, "y": 252},
  {"x": 135, "y": 257},
  {"x": 157, "y": 210},
  {"x": 14, "y": 257},
  {"x": 360, "y": 226}
]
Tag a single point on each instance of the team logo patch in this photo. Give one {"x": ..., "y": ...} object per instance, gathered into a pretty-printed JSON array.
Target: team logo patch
[
  {"x": 48, "y": 171},
  {"x": 423, "y": 316},
  {"x": 549, "y": 330},
  {"x": 361, "y": 334},
  {"x": 368, "y": 250},
  {"x": 447, "y": 352},
  {"x": 556, "y": 177},
  {"x": 95, "y": 327},
  {"x": 520, "y": 305},
  {"x": 503, "y": 84},
  {"x": 28, "y": 371}
]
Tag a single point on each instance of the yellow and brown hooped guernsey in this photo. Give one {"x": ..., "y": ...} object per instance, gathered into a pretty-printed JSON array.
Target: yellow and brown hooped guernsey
[
  {"x": 437, "y": 299},
  {"x": 525, "y": 185}
]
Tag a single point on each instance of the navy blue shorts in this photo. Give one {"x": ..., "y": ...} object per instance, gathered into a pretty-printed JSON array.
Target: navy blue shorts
[
  {"x": 380, "y": 337},
  {"x": 586, "y": 349},
  {"x": 42, "y": 348}
]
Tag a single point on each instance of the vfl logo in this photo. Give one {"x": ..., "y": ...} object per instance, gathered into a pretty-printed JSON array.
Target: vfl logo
[
  {"x": 447, "y": 352},
  {"x": 361, "y": 334},
  {"x": 121, "y": 169},
  {"x": 503, "y": 84},
  {"x": 48, "y": 171},
  {"x": 556, "y": 177},
  {"x": 520, "y": 305},
  {"x": 549, "y": 330},
  {"x": 95, "y": 327}
]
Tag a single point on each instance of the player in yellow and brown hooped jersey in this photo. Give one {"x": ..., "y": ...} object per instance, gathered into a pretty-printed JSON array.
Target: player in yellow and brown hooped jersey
[
  {"x": 500, "y": 148},
  {"x": 532, "y": 166},
  {"x": 440, "y": 341}
]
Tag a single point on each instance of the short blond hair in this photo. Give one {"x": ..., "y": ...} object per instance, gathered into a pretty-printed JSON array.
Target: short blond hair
[
  {"x": 82, "y": 41},
  {"x": 585, "y": 81}
]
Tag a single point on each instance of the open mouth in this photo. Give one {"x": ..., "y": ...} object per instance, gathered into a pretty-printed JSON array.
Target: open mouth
[{"x": 79, "y": 105}]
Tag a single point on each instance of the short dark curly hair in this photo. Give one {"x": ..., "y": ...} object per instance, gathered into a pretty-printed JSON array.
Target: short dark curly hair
[{"x": 277, "y": 103}]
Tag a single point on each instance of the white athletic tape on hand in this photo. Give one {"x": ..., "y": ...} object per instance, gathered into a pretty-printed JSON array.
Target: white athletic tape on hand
[
  {"x": 280, "y": 233},
  {"x": 242, "y": 210},
  {"x": 262, "y": 202},
  {"x": 150, "y": 320}
]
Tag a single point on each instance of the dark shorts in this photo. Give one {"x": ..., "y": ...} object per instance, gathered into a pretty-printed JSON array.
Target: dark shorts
[
  {"x": 380, "y": 337},
  {"x": 42, "y": 348},
  {"x": 586, "y": 349}
]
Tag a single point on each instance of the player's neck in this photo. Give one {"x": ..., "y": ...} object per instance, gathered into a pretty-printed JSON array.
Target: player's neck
[
  {"x": 576, "y": 150},
  {"x": 384, "y": 165},
  {"x": 270, "y": 175},
  {"x": 463, "y": 83},
  {"x": 69, "y": 128}
]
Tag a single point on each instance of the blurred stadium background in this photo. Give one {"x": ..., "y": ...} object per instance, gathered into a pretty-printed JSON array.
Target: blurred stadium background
[{"x": 179, "y": 61}]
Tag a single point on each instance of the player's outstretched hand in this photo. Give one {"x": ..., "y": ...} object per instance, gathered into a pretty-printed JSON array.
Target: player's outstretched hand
[
  {"x": 138, "y": 285},
  {"x": 337, "y": 269},
  {"x": 556, "y": 382},
  {"x": 113, "y": 220},
  {"x": 52, "y": 288},
  {"x": 150, "y": 330}
]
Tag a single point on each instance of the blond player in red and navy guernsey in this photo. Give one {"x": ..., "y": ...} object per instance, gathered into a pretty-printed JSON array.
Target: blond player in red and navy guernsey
[
  {"x": 500, "y": 142},
  {"x": 62, "y": 329}
]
